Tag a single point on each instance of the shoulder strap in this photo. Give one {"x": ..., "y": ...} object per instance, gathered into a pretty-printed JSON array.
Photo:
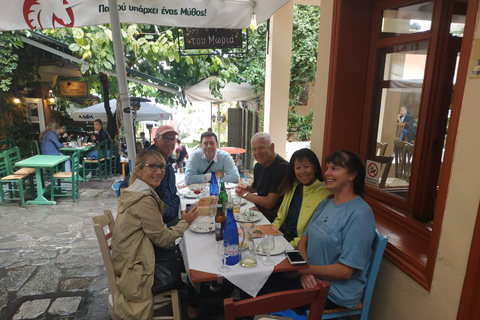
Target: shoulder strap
[{"x": 206, "y": 170}]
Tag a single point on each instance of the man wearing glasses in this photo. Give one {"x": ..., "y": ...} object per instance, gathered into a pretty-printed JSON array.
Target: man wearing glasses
[
  {"x": 208, "y": 159},
  {"x": 164, "y": 142}
]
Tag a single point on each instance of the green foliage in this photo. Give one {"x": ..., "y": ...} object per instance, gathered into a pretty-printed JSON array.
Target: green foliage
[
  {"x": 14, "y": 124},
  {"x": 150, "y": 49},
  {"x": 9, "y": 42},
  {"x": 300, "y": 125}
]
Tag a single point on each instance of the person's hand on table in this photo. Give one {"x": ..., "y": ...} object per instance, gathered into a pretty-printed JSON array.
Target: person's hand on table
[
  {"x": 191, "y": 215},
  {"x": 93, "y": 138},
  {"x": 240, "y": 190},
  {"x": 219, "y": 175},
  {"x": 308, "y": 281}
]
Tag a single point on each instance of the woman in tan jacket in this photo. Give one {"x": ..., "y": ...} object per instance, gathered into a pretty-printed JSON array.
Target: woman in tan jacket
[{"x": 139, "y": 223}]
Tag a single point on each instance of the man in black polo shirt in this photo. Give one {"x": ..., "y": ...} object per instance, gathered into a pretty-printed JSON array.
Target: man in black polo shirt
[{"x": 267, "y": 176}]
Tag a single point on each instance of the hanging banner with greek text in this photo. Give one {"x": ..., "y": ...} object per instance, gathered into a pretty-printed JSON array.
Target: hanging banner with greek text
[{"x": 43, "y": 14}]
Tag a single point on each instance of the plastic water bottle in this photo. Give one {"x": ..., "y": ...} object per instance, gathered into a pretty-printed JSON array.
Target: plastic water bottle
[{"x": 230, "y": 233}]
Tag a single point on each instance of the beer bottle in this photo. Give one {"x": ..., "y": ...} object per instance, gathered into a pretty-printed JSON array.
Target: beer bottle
[
  {"x": 223, "y": 197},
  {"x": 219, "y": 222}
]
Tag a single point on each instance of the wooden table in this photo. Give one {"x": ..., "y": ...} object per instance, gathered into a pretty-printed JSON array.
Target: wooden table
[
  {"x": 38, "y": 162},
  {"x": 124, "y": 163},
  {"x": 82, "y": 150}
]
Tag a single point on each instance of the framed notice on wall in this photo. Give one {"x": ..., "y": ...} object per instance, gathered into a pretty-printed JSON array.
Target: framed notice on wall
[{"x": 73, "y": 88}]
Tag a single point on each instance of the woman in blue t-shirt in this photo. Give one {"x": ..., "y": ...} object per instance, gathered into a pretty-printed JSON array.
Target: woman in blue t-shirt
[{"x": 338, "y": 240}]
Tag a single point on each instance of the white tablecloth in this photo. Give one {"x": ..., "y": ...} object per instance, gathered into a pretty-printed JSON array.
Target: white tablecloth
[{"x": 200, "y": 253}]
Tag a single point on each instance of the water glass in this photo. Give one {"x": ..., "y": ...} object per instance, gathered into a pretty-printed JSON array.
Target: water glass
[
  {"x": 268, "y": 244},
  {"x": 222, "y": 251}
]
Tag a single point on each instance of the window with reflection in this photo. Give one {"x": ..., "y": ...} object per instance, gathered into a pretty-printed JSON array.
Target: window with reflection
[
  {"x": 407, "y": 19},
  {"x": 402, "y": 68}
]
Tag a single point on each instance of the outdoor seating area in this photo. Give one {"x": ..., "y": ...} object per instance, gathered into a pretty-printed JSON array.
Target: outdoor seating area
[{"x": 40, "y": 179}]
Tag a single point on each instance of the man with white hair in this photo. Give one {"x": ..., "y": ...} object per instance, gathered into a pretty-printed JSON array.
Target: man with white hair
[{"x": 267, "y": 176}]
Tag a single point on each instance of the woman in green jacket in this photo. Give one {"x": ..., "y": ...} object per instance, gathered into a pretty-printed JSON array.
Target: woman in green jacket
[{"x": 303, "y": 189}]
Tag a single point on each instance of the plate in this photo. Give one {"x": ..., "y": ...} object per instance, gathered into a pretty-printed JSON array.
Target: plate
[
  {"x": 242, "y": 202},
  {"x": 242, "y": 217},
  {"x": 190, "y": 195},
  {"x": 229, "y": 185},
  {"x": 279, "y": 248},
  {"x": 203, "y": 228}
]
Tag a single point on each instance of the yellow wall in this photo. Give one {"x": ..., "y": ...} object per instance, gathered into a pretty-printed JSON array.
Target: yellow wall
[{"x": 396, "y": 295}]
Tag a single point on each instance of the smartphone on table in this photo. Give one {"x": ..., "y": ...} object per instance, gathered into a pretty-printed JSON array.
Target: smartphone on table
[{"x": 295, "y": 258}]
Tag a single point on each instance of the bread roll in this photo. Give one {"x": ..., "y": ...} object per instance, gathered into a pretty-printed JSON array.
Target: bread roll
[{"x": 203, "y": 205}]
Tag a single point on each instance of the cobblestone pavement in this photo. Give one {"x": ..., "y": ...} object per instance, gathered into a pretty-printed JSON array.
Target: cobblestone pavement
[{"x": 50, "y": 263}]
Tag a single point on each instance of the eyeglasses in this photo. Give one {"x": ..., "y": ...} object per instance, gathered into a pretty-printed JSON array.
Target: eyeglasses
[
  {"x": 153, "y": 167},
  {"x": 167, "y": 139}
]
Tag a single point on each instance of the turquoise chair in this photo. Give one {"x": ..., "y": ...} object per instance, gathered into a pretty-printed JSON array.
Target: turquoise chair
[
  {"x": 12, "y": 185},
  {"x": 73, "y": 177},
  {"x": 98, "y": 167},
  {"x": 363, "y": 307}
]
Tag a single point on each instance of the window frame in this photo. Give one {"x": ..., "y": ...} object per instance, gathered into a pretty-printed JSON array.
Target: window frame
[{"x": 412, "y": 246}]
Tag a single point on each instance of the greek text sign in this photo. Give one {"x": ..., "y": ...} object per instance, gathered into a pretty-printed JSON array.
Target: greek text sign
[
  {"x": 212, "y": 38},
  {"x": 43, "y": 14},
  {"x": 73, "y": 88}
]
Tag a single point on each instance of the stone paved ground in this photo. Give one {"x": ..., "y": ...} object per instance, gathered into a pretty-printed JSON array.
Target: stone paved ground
[{"x": 50, "y": 263}]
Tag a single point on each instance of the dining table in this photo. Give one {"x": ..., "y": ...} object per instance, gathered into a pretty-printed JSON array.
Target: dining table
[
  {"x": 83, "y": 150},
  {"x": 199, "y": 250},
  {"x": 40, "y": 162}
]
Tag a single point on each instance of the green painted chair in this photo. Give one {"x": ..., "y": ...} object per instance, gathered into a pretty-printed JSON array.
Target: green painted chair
[
  {"x": 113, "y": 159},
  {"x": 13, "y": 185},
  {"x": 73, "y": 177},
  {"x": 97, "y": 167},
  {"x": 14, "y": 156}
]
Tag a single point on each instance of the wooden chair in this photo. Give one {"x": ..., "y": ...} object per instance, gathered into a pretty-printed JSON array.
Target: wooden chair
[
  {"x": 386, "y": 164},
  {"x": 403, "y": 152},
  {"x": 399, "y": 131},
  {"x": 103, "y": 226},
  {"x": 98, "y": 167},
  {"x": 14, "y": 183},
  {"x": 73, "y": 177},
  {"x": 113, "y": 158},
  {"x": 280, "y": 301},
  {"x": 363, "y": 307},
  {"x": 381, "y": 148},
  {"x": 14, "y": 156}
]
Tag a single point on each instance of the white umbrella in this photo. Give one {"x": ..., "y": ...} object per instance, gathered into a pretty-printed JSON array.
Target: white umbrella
[
  {"x": 231, "y": 92},
  {"x": 38, "y": 14},
  {"x": 148, "y": 111}
]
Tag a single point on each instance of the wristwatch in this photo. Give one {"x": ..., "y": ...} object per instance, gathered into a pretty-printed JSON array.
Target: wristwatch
[{"x": 245, "y": 195}]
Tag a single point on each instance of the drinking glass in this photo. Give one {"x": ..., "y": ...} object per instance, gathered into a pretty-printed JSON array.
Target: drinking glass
[
  {"x": 268, "y": 244},
  {"x": 236, "y": 201},
  {"x": 197, "y": 189},
  {"x": 222, "y": 251}
]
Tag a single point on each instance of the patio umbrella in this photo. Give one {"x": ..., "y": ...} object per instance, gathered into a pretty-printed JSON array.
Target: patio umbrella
[
  {"x": 39, "y": 14},
  {"x": 231, "y": 92},
  {"x": 148, "y": 111},
  {"x": 233, "y": 150}
]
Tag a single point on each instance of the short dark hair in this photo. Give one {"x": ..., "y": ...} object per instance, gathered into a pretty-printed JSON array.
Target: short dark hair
[
  {"x": 99, "y": 121},
  {"x": 289, "y": 179},
  {"x": 178, "y": 141},
  {"x": 208, "y": 134},
  {"x": 354, "y": 165}
]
